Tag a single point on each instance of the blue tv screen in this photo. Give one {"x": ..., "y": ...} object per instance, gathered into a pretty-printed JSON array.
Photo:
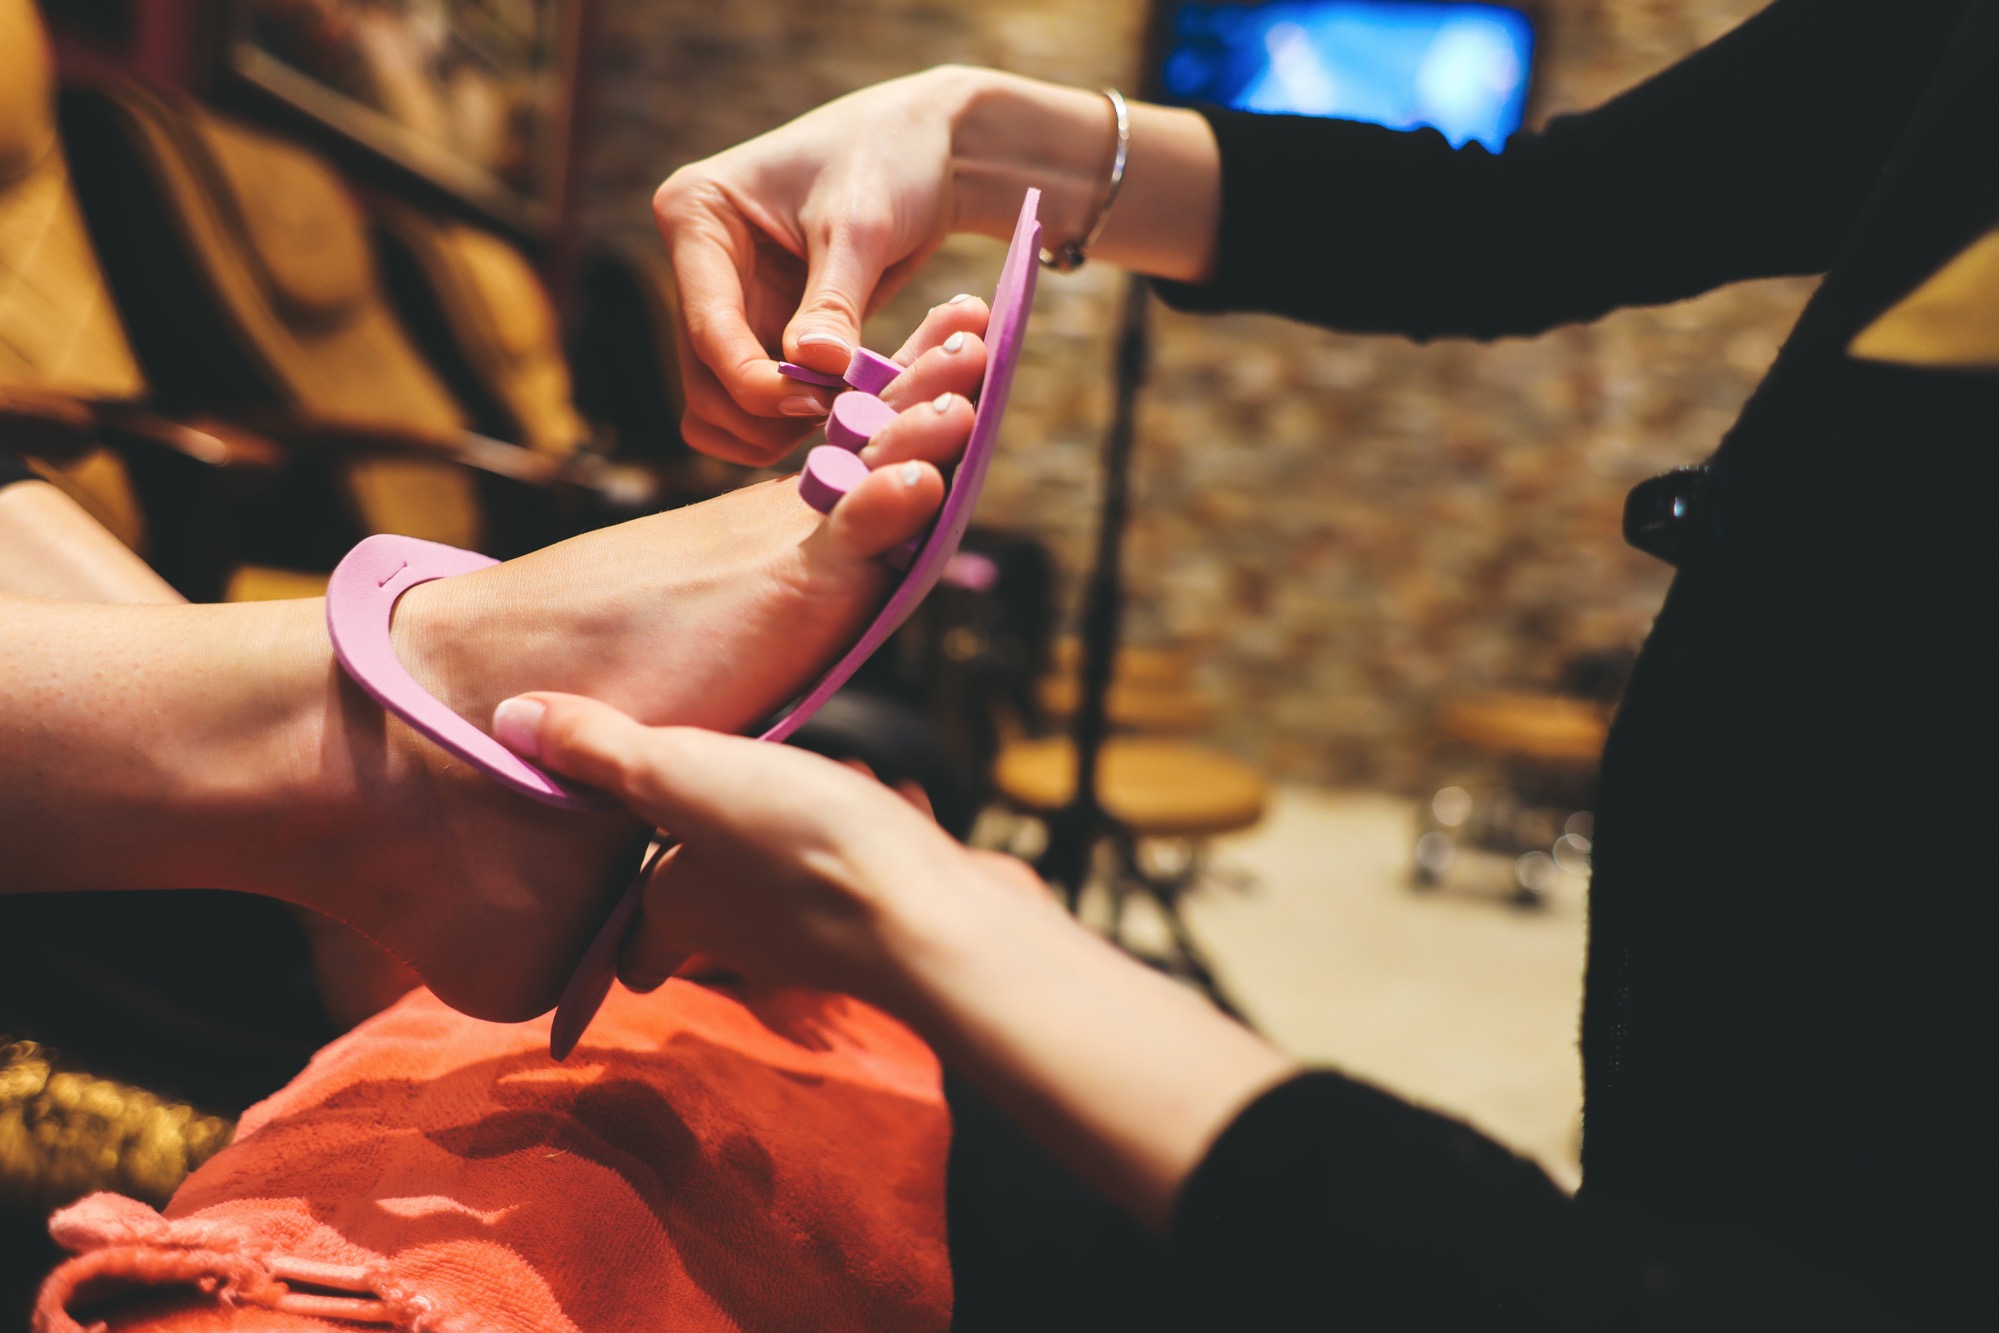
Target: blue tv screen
[{"x": 1460, "y": 68}]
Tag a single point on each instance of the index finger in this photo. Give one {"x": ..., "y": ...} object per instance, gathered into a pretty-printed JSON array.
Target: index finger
[{"x": 714, "y": 320}]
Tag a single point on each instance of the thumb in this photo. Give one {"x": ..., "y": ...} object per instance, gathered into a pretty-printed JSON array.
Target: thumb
[
  {"x": 645, "y": 767},
  {"x": 842, "y": 271}
]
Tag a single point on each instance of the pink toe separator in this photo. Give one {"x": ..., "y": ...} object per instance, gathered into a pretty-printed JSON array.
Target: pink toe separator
[
  {"x": 871, "y": 372},
  {"x": 362, "y": 593},
  {"x": 360, "y": 600}
]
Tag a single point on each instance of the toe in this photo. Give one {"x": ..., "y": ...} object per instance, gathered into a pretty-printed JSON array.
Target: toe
[
  {"x": 891, "y": 506},
  {"x": 934, "y": 431},
  {"x": 956, "y": 365},
  {"x": 961, "y": 314}
]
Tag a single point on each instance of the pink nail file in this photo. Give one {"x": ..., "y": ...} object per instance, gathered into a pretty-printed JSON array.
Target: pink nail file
[
  {"x": 855, "y": 419},
  {"x": 807, "y": 375},
  {"x": 871, "y": 372},
  {"x": 363, "y": 590}
]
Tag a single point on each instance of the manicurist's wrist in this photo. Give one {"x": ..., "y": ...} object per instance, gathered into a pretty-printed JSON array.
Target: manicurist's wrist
[
  {"x": 1010, "y": 133},
  {"x": 952, "y": 927}
]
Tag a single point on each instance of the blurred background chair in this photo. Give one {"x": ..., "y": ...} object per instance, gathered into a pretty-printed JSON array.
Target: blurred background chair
[
  {"x": 484, "y": 319},
  {"x": 628, "y": 370},
  {"x": 72, "y": 393},
  {"x": 244, "y": 269},
  {"x": 1522, "y": 782},
  {"x": 1165, "y": 797}
]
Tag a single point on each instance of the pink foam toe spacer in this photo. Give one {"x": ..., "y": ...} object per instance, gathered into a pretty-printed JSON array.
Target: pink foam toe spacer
[
  {"x": 871, "y": 372},
  {"x": 360, "y": 599},
  {"x": 1005, "y": 331},
  {"x": 807, "y": 375},
  {"x": 855, "y": 419},
  {"x": 830, "y": 472}
]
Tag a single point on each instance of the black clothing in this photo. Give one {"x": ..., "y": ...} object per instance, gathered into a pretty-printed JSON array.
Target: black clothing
[
  {"x": 1787, "y": 1003},
  {"x": 13, "y": 468}
]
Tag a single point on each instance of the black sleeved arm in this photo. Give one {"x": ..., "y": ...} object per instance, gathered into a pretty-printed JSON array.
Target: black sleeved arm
[
  {"x": 1749, "y": 158},
  {"x": 13, "y": 469},
  {"x": 1328, "y": 1203}
]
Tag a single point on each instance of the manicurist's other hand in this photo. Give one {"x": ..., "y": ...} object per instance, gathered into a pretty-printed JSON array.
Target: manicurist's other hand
[{"x": 792, "y": 868}]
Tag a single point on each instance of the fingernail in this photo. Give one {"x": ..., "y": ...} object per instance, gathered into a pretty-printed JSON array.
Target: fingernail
[
  {"x": 803, "y": 406},
  {"x": 942, "y": 403},
  {"x": 959, "y": 299},
  {"x": 517, "y": 725},
  {"x": 954, "y": 343},
  {"x": 911, "y": 473},
  {"x": 818, "y": 337}
]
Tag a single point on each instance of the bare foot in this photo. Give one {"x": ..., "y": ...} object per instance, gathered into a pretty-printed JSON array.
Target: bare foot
[{"x": 714, "y": 615}]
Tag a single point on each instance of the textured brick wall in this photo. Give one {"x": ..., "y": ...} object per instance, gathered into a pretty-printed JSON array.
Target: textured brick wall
[{"x": 1346, "y": 530}]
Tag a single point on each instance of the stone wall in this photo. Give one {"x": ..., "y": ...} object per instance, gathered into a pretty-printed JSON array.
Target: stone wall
[{"x": 1345, "y": 530}]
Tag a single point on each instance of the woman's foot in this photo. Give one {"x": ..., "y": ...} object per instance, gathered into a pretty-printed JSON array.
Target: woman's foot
[{"x": 714, "y": 615}]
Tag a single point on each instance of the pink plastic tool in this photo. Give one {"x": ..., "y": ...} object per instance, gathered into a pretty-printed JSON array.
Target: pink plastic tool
[
  {"x": 363, "y": 590},
  {"x": 360, "y": 600},
  {"x": 807, "y": 375},
  {"x": 871, "y": 372},
  {"x": 830, "y": 472},
  {"x": 855, "y": 419}
]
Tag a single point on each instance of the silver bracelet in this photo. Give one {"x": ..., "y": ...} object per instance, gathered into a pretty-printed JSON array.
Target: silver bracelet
[{"x": 1070, "y": 256}]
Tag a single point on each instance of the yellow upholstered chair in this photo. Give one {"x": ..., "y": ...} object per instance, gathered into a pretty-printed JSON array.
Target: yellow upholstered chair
[
  {"x": 72, "y": 393},
  {"x": 251, "y": 289},
  {"x": 484, "y": 318}
]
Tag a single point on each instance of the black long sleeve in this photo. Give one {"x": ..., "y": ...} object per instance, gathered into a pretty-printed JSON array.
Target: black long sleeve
[
  {"x": 1330, "y": 1203},
  {"x": 1775, "y": 1139},
  {"x": 13, "y": 469},
  {"x": 1749, "y": 158}
]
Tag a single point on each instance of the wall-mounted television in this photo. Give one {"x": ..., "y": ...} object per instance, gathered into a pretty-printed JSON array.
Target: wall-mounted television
[{"x": 1462, "y": 68}]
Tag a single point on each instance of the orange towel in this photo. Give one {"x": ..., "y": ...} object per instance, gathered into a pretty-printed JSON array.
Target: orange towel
[{"x": 705, "y": 1160}]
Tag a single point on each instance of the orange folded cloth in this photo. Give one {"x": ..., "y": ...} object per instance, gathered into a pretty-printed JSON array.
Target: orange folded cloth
[{"x": 705, "y": 1160}]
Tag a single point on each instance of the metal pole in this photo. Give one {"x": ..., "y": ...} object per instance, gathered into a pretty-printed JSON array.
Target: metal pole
[{"x": 1073, "y": 833}]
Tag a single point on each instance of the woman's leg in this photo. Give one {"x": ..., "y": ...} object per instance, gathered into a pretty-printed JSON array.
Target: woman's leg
[
  {"x": 49, "y": 547},
  {"x": 221, "y": 747}
]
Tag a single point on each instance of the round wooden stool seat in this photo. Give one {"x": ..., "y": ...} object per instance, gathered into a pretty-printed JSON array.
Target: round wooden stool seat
[
  {"x": 1534, "y": 726},
  {"x": 1139, "y": 666},
  {"x": 1155, "y": 788},
  {"x": 1131, "y": 705}
]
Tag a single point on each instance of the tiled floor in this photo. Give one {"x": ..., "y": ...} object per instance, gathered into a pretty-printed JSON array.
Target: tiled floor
[{"x": 1453, "y": 998}]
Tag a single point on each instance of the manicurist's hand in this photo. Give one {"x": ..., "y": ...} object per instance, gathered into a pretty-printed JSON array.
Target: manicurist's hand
[
  {"x": 784, "y": 243},
  {"x": 781, "y": 246},
  {"x": 793, "y": 868}
]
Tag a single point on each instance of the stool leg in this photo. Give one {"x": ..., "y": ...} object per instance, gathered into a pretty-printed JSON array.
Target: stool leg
[{"x": 1187, "y": 960}]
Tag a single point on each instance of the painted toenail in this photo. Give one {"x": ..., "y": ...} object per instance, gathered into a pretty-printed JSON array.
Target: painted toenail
[
  {"x": 955, "y": 343},
  {"x": 959, "y": 299},
  {"x": 911, "y": 473},
  {"x": 942, "y": 403},
  {"x": 803, "y": 407},
  {"x": 817, "y": 338},
  {"x": 517, "y": 725}
]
